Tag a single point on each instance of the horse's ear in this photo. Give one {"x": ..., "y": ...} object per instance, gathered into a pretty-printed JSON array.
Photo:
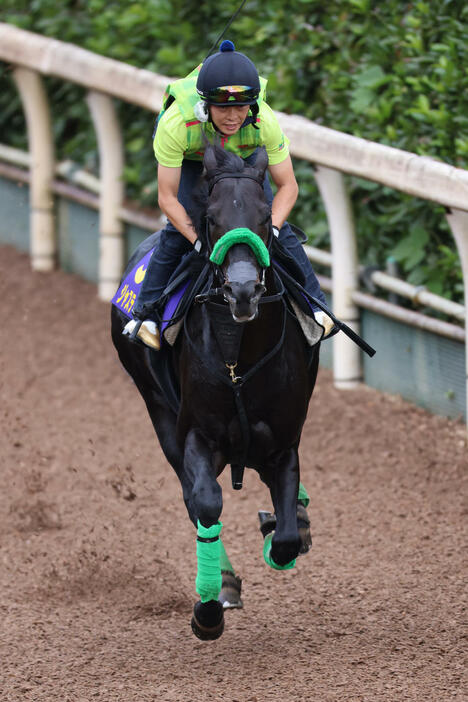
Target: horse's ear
[
  {"x": 261, "y": 162},
  {"x": 209, "y": 160}
]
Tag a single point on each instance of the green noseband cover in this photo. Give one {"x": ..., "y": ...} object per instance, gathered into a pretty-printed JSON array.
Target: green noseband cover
[{"x": 241, "y": 235}]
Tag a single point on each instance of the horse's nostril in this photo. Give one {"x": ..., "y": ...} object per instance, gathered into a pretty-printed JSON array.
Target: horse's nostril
[
  {"x": 227, "y": 290},
  {"x": 260, "y": 289}
]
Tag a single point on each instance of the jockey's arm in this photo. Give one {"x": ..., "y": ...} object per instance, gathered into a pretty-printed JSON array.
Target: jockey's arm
[
  {"x": 287, "y": 191},
  {"x": 168, "y": 187}
]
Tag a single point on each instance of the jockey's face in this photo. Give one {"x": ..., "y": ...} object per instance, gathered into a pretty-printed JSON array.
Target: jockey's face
[{"x": 229, "y": 118}]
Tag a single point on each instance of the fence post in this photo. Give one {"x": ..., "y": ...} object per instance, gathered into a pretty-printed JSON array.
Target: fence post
[
  {"x": 347, "y": 371},
  {"x": 43, "y": 247},
  {"x": 458, "y": 222},
  {"x": 111, "y": 161}
]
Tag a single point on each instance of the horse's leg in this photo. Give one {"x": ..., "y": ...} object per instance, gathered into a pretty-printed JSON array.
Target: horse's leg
[
  {"x": 268, "y": 521},
  {"x": 164, "y": 423},
  {"x": 208, "y": 613},
  {"x": 282, "y": 477}
]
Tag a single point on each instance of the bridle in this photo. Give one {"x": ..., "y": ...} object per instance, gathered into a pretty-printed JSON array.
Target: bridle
[
  {"x": 240, "y": 174},
  {"x": 217, "y": 269}
]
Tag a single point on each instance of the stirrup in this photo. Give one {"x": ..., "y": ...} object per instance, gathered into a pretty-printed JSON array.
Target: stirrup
[{"x": 145, "y": 331}]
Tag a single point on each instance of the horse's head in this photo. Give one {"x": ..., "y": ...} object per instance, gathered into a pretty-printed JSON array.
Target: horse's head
[{"x": 239, "y": 218}]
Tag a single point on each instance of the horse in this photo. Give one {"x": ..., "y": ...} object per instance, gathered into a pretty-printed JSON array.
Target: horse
[{"x": 245, "y": 374}]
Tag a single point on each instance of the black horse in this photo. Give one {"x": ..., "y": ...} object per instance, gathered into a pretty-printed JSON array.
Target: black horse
[{"x": 245, "y": 374}]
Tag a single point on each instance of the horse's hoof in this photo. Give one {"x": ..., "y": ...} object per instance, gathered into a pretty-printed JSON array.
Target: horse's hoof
[
  {"x": 230, "y": 595},
  {"x": 208, "y": 620},
  {"x": 303, "y": 525}
]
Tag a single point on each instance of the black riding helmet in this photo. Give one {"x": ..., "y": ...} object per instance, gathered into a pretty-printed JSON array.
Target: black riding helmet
[{"x": 228, "y": 78}]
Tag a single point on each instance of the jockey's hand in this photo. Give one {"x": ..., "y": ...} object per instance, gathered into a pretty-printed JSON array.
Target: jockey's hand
[{"x": 325, "y": 321}]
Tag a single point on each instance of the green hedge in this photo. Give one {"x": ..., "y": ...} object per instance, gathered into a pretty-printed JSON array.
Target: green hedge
[{"x": 392, "y": 72}]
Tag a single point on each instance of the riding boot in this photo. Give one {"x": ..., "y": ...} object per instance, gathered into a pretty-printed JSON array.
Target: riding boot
[
  {"x": 165, "y": 258},
  {"x": 144, "y": 330}
]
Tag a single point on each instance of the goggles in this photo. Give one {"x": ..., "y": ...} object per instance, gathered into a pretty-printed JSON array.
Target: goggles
[{"x": 231, "y": 94}]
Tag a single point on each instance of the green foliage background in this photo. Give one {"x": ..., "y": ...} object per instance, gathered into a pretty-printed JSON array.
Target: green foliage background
[{"x": 392, "y": 72}]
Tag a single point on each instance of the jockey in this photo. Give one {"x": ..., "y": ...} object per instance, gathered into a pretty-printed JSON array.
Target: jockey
[{"x": 225, "y": 97}]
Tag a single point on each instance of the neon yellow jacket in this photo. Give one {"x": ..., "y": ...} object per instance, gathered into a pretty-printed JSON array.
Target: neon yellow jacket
[{"x": 179, "y": 132}]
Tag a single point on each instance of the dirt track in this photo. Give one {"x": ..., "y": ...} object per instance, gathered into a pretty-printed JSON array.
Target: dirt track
[{"x": 97, "y": 556}]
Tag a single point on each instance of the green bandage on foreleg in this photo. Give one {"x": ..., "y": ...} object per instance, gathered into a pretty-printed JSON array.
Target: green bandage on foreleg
[
  {"x": 208, "y": 582},
  {"x": 268, "y": 559},
  {"x": 302, "y": 495},
  {"x": 240, "y": 235}
]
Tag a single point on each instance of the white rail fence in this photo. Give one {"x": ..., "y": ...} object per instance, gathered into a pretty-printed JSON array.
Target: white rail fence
[{"x": 333, "y": 154}]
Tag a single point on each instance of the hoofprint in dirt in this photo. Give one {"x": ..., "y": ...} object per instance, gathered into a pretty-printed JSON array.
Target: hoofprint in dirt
[{"x": 97, "y": 555}]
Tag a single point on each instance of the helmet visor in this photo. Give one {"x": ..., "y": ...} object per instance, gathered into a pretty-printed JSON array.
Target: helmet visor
[{"x": 232, "y": 95}]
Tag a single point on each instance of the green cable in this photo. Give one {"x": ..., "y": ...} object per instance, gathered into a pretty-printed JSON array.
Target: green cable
[
  {"x": 302, "y": 496},
  {"x": 208, "y": 581},
  {"x": 241, "y": 235},
  {"x": 268, "y": 559}
]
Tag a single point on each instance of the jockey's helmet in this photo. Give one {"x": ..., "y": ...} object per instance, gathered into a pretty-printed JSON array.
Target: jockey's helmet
[{"x": 228, "y": 78}]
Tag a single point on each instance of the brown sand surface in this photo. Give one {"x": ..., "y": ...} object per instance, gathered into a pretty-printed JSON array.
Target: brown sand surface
[{"x": 97, "y": 555}]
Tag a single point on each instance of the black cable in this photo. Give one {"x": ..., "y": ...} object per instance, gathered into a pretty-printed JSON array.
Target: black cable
[{"x": 226, "y": 28}]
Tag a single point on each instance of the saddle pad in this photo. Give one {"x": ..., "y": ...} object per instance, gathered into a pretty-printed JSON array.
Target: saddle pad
[
  {"x": 312, "y": 331},
  {"x": 127, "y": 293},
  {"x": 170, "y": 331}
]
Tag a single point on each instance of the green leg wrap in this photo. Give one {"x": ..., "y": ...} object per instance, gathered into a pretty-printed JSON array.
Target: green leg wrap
[
  {"x": 208, "y": 582},
  {"x": 302, "y": 495},
  {"x": 224, "y": 562},
  {"x": 268, "y": 559}
]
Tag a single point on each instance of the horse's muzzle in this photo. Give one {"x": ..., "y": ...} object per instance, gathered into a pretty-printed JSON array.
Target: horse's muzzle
[{"x": 243, "y": 299}]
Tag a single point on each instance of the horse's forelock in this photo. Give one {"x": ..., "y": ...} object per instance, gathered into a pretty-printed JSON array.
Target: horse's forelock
[{"x": 225, "y": 161}]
